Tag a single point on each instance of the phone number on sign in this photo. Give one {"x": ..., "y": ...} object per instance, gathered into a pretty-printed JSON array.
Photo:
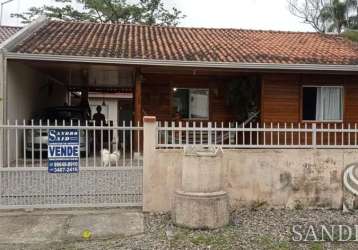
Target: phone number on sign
[
  {"x": 64, "y": 170},
  {"x": 65, "y": 164}
]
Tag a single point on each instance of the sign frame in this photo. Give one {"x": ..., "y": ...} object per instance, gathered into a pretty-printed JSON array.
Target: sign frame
[{"x": 63, "y": 151}]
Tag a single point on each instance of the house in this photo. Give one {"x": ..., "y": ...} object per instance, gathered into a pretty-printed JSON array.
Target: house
[
  {"x": 296, "y": 73},
  {"x": 238, "y": 89}
]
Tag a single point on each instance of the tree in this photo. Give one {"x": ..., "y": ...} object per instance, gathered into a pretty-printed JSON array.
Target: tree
[
  {"x": 337, "y": 14},
  {"x": 150, "y": 12},
  {"x": 325, "y": 15},
  {"x": 67, "y": 13},
  {"x": 309, "y": 11}
]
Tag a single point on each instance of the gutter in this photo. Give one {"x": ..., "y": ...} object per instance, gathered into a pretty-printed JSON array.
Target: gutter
[{"x": 177, "y": 63}]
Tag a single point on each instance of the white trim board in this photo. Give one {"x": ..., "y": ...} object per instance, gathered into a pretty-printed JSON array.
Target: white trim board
[{"x": 175, "y": 63}]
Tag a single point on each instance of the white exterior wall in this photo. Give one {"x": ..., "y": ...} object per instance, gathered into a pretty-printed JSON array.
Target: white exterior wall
[
  {"x": 276, "y": 178},
  {"x": 27, "y": 92},
  {"x": 22, "y": 91}
]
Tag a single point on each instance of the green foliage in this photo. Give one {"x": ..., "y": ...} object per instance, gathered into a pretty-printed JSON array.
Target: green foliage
[
  {"x": 351, "y": 35},
  {"x": 267, "y": 242},
  {"x": 335, "y": 14},
  {"x": 326, "y": 15},
  {"x": 316, "y": 246},
  {"x": 67, "y": 12},
  {"x": 150, "y": 12}
]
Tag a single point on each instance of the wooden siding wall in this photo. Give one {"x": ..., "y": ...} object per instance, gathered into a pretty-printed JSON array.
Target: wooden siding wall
[
  {"x": 281, "y": 96},
  {"x": 351, "y": 100},
  {"x": 157, "y": 95}
]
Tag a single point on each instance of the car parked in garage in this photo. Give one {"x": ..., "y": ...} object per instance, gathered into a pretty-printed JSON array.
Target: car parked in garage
[{"x": 37, "y": 140}]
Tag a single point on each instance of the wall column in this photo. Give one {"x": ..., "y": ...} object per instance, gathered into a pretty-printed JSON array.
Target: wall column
[
  {"x": 137, "y": 111},
  {"x": 138, "y": 99},
  {"x": 3, "y": 107},
  {"x": 154, "y": 192}
]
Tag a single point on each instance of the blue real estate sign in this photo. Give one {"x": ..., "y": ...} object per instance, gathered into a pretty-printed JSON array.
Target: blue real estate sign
[{"x": 63, "y": 150}]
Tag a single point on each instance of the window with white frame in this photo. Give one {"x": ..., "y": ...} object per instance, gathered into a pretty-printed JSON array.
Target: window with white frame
[
  {"x": 322, "y": 103},
  {"x": 191, "y": 103}
]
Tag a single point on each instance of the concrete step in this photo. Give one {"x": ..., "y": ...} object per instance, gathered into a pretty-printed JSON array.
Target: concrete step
[{"x": 47, "y": 226}]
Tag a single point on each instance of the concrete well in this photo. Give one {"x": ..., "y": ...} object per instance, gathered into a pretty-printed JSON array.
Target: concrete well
[
  {"x": 200, "y": 202},
  {"x": 201, "y": 210},
  {"x": 202, "y": 170}
]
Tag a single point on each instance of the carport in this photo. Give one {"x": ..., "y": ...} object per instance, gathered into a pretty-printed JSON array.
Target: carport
[
  {"x": 30, "y": 86},
  {"x": 35, "y": 85},
  {"x": 25, "y": 181}
]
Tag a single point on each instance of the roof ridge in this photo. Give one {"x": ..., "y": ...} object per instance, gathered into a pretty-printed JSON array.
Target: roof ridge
[
  {"x": 189, "y": 44},
  {"x": 197, "y": 28}
]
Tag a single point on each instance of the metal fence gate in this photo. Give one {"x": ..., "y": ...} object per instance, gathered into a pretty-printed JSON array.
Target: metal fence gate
[{"x": 110, "y": 174}]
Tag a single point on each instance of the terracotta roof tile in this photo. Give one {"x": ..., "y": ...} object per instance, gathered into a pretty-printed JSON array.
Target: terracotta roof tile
[
  {"x": 188, "y": 44},
  {"x": 7, "y": 31}
]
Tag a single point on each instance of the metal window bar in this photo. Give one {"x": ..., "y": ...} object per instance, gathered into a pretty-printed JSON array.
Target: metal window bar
[
  {"x": 25, "y": 145},
  {"x": 302, "y": 135},
  {"x": 25, "y": 182},
  {"x": 355, "y": 134}
]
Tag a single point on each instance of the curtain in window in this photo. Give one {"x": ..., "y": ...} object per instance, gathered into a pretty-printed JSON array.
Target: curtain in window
[
  {"x": 199, "y": 103},
  {"x": 329, "y": 104}
]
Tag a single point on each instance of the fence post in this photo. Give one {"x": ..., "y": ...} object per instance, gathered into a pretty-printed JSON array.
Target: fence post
[
  {"x": 2, "y": 107},
  {"x": 149, "y": 144},
  {"x": 209, "y": 134},
  {"x": 314, "y": 135},
  {"x": 2, "y": 145}
]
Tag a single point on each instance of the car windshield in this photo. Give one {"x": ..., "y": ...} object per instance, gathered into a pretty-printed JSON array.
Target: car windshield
[{"x": 60, "y": 115}]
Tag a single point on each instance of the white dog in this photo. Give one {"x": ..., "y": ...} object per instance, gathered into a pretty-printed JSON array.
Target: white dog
[{"x": 110, "y": 159}]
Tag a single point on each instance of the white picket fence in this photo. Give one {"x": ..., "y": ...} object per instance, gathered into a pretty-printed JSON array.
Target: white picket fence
[
  {"x": 26, "y": 182},
  {"x": 266, "y": 135},
  {"x": 114, "y": 179}
]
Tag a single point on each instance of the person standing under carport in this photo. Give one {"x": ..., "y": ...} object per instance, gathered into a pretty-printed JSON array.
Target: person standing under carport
[{"x": 99, "y": 120}]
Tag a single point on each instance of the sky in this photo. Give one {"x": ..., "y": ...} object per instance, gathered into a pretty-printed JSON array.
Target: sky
[{"x": 246, "y": 14}]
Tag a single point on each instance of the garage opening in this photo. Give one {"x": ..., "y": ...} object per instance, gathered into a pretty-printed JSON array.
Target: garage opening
[{"x": 90, "y": 106}]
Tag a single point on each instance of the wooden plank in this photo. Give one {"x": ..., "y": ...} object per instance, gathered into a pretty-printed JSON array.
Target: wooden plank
[{"x": 280, "y": 98}]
